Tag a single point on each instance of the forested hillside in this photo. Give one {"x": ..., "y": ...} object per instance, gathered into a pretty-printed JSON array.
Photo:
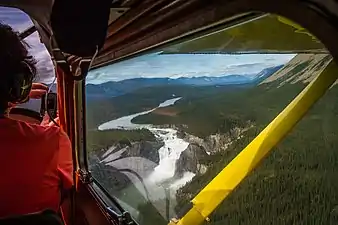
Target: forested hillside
[{"x": 296, "y": 184}]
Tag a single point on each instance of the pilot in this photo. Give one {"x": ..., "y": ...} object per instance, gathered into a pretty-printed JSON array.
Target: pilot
[{"x": 35, "y": 160}]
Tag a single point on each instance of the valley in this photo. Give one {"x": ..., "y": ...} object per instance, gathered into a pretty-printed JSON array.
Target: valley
[
  {"x": 201, "y": 131},
  {"x": 138, "y": 94}
]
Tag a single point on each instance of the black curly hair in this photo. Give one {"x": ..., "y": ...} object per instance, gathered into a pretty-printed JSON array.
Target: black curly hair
[{"x": 13, "y": 54}]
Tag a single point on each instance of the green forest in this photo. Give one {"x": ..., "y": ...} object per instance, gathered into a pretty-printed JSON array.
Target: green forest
[
  {"x": 295, "y": 184},
  {"x": 145, "y": 99}
]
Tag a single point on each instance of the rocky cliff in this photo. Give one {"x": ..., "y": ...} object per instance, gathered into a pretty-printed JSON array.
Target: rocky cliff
[
  {"x": 189, "y": 160},
  {"x": 143, "y": 149},
  {"x": 106, "y": 164},
  {"x": 192, "y": 159}
]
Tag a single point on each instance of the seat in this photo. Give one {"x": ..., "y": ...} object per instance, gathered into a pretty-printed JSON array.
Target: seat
[{"x": 47, "y": 217}]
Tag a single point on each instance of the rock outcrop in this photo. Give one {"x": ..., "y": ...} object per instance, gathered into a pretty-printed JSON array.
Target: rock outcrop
[
  {"x": 145, "y": 149},
  {"x": 189, "y": 160},
  {"x": 103, "y": 168},
  {"x": 216, "y": 142}
]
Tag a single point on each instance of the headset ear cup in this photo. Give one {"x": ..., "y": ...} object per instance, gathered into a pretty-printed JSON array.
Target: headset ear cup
[
  {"x": 21, "y": 85},
  {"x": 26, "y": 88}
]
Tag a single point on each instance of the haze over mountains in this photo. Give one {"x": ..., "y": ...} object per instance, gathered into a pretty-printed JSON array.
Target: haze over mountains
[{"x": 117, "y": 88}]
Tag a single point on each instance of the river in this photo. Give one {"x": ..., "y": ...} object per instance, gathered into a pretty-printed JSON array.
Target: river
[
  {"x": 158, "y": 179},
  {"x": 125, "y": 121}
]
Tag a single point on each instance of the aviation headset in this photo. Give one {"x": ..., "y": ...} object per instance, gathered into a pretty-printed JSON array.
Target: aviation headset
[{"x": 20, "y": 84}]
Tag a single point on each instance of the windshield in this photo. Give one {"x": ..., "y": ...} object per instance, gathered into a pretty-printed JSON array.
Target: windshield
[{"x": 162, "y": 125}]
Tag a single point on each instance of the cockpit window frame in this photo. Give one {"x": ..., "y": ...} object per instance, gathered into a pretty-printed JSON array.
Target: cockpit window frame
[
  {"x": 333, "y": 51},
  {"x": 28, "y": 32}
]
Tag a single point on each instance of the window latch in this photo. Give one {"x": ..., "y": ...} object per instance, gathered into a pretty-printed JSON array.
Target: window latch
[
  {"x": 123, "y": 219},
  {"x": 85, "y": 176}
]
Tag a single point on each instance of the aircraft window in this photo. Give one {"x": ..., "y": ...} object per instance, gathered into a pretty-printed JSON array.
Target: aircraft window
[
  {"x": 16, "y": 18},
  {"x": 20, "y": 21},
  {"x": 162, "y": 125}
]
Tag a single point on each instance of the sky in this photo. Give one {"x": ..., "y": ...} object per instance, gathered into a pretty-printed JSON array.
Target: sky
[{"x": 150, "y": 65}]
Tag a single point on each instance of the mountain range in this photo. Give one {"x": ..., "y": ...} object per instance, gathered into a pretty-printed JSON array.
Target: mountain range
[{"x": 117, "y": 88}]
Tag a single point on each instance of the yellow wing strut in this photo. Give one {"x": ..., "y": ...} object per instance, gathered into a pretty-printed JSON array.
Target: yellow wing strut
[{"x": 227, "y": 180}]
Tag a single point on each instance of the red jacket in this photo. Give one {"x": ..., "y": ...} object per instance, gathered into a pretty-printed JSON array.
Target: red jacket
[{"x": 35, "y": 164}]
